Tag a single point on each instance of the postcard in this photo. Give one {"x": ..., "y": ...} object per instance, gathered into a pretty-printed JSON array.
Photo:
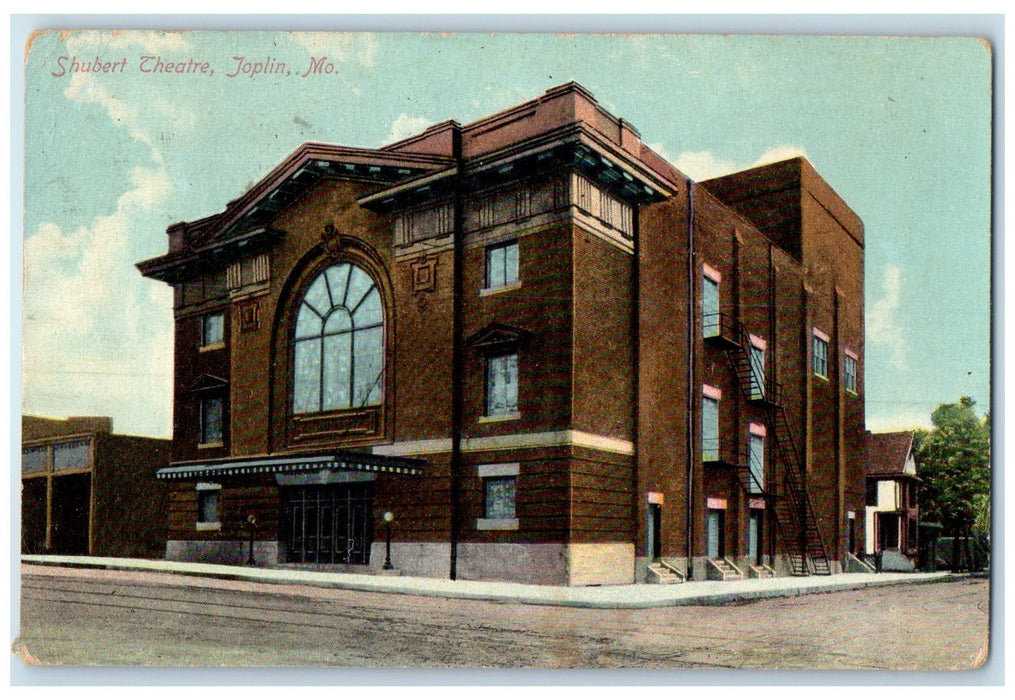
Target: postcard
[{"x": 504, "y": 350}]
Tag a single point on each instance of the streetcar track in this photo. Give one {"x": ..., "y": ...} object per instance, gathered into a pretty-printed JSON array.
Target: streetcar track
[
  {"x": 338, "y": 621},
  {"x": 353, "y": 628}
]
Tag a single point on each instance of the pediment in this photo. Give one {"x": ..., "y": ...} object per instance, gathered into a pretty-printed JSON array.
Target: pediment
[
  {"x": 208, "y": 382},
  {"x": 307, "y": 165},
  {"x": 245, "y": 224},
  {"x": 498, "y": 336}
]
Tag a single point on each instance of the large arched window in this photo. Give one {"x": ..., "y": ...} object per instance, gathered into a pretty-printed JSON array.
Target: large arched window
[{"x": 338, "y": 345}]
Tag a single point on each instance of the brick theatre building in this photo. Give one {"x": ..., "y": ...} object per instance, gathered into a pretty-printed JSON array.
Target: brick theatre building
[{"x": 527, "y": 348}]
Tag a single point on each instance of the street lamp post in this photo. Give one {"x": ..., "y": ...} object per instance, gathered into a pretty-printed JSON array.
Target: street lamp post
[
  {"x": 251, "y": 521},
  {"x": 388, "y": 517}
]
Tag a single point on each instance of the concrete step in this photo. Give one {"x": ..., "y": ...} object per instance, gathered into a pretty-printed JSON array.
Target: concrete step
[{"x": 660, "y": 574}]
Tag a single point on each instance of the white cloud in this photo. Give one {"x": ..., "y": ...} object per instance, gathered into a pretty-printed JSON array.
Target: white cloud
[
  {"x": 406, "y": 126},
  {"x": 882, "y": 326},
  {"x": 703, "y": 165},
  {"x": 87, "y": 344},
  {"x": 97, "y": 337},
  {"x": 777, "y": 153},
  {"x": 340, "y": 46}
]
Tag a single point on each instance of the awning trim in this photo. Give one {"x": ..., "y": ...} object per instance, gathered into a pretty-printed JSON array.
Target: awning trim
[{"x": 342, "y": 461}]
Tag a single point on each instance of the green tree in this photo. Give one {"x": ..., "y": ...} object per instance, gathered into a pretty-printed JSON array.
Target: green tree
[{"x": 954, "y": 459}]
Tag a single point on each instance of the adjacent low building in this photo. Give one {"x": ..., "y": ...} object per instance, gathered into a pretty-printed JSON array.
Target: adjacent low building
[
  {"x": 87, "y": 490},
  {"x": 540, "y": 350},
  {"x": 891, "y": 508}
]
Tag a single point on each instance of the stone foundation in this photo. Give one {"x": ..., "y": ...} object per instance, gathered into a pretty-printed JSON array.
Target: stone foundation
[
  {"x": 520, "y": 563},
  {"x": 230, "y": 552},
  {"x": 429, "y": 559}
]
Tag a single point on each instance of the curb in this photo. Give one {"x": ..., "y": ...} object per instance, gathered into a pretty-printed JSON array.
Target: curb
[{"x": 560, "y": 596}]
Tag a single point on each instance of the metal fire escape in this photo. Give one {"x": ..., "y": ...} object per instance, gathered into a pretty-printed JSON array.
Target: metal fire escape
[{"x": 791, "y": 504}]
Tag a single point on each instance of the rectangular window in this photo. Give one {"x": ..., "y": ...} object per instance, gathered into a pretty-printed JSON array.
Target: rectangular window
[
  {"x": 501, "y": 264},
  {"x": 820, "y": 353},
  {"x": 849, "y": 371},
  {"x": 871, "y": 498},
  {"x": 500, "y": 483},
  {"x": 757, "y": 368},
  {"x": 208, "y": 505},
  {"x": 710, "y": 303},
  {"x": 502, "y": 385},
  {"x": 72, "y": 455},
  {"x": 499, "y": 497},
  {"x": 211, "y": 420},
  {"x": 710, "y": 424},
  {"x": 33, "y": 459},
  {"x": 756, "y": 457},
  {"x": 212, "y": 329}
]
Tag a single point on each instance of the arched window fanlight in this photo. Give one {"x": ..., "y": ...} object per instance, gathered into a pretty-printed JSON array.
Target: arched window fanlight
[{"x": 338, "y": 344}]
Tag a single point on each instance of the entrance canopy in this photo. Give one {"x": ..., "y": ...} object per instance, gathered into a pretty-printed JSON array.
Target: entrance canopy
[{"x": 292, "y": 464}]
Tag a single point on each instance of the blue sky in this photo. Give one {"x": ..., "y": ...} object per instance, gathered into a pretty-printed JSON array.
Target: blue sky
[{"x": 900, "y": 127}]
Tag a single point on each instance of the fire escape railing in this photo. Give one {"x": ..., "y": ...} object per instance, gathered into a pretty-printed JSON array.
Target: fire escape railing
[{"x": 794, "y": 512}]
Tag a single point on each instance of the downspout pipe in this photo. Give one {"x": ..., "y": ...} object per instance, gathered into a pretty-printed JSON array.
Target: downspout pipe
[
  {"x": 689, "y": 372},
  {"x": 457, "y": 351},
  {"x": 636, "y": 335}
]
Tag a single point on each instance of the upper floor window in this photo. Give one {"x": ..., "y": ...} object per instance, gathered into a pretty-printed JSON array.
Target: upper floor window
[
  {"x": 710, "y": 302},
  {"x": 757, "y": 355},
  {"x": 501, "y": 264},
  {"x": 34, "y": 459},
  {"x": 72, "y": 455},
  {"x": 212, "y": 329},
  {"x": 502, "y": 385},
  {"x": 338, "y": 345},
  {"x": 211, "y": 419},
  {"x": 710, "y": 424},
  {"x": 820, "y": 353},
  {"x": 756, "y": 456},
  {"x": 850, "y": 365}
]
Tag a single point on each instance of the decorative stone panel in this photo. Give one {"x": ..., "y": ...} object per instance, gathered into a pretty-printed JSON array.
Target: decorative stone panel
[{"x": 423, "y": 224}]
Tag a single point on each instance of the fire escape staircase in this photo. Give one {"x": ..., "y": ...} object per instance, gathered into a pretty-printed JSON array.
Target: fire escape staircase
[{"x": 791, "y": 503}]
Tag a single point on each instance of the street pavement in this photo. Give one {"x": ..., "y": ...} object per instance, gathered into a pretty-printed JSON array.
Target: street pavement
[{"x": 632, "y": 596}]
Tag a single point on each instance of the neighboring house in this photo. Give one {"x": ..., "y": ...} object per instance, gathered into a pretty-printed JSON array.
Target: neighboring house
[
  {"x": 538, "y": 346},
  {"x": 891, "y": 509},
  {"x": 86, "y": 490}
]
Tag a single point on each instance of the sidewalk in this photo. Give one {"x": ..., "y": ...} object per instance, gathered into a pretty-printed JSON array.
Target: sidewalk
[{"x": 629, "y": 596}]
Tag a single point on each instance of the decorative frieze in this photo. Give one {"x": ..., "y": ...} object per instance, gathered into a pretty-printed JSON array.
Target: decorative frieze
[
  {"x": 510, "y": 204},
  {"x": 423, "y": 224},
  {"x": 521, "y": 204},
  {"x": 248, "y": 275},
  {"x": 602, "y": 206}
]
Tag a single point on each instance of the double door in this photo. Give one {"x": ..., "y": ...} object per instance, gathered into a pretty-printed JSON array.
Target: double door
[{"x": 329, "y": 524}]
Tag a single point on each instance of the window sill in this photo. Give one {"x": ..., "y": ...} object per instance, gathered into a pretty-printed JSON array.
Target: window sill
[
  {"x": 210, "y": 445},
  {"x": 205, "y": 527},
  {"x": 510, "y": 286},
  {"x": 500, "y": 417},
  {"x": 212, "y": 346},
  {"x": 496, "y": 523},
  {"x": 822, "y": 377}
]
